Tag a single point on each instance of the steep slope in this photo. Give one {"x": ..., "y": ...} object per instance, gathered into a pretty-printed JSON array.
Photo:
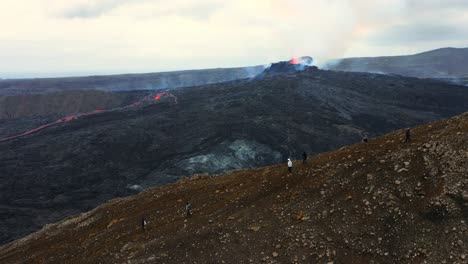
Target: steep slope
[
  {"x": 74, "y": 166},
  {"x": 125, "y": 82},
  {"x": 440, "y": 63},
  {"x": 63, "y": 103},
  {"x": 379, "y": 202}
]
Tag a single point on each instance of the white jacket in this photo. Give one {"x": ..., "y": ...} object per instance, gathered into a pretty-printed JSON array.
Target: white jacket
[{"x": 289, "y": 163}]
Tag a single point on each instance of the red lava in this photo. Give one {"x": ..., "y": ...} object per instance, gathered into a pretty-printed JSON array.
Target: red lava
[{"x": 73, "y": 117}]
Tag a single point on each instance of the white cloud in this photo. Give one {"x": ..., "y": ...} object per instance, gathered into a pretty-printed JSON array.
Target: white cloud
[{"x": 152, "y": 35}]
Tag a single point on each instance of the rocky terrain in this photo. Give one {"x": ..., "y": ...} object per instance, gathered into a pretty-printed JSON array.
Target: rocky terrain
[
  {"x": 379, "y": 202},
  {"x": 74, "y": 166},
  {"x": 126, "y": 82},
  {"x": 459, "y": 81},
  {"x": 440, "y": 63}
]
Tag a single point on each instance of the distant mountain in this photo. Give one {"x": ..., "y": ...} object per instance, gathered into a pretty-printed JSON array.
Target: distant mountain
[
  {"x": 126, "y": 82},
  {"x": 68, "y": 167},
  {"x": 440, "y": 63}
]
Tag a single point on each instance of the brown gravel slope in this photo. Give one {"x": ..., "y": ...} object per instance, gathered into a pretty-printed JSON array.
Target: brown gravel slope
[{"x": 380, "y": 202}]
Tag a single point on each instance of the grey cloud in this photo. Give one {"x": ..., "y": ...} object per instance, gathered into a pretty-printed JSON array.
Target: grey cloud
[
  {"x": 437, "y": 4},
  {"x": 414, "y": 33},
  {"x": 426, "y": 21},
  {"x": 93, "y": 10},
  {"x": 198, "y": 11}
]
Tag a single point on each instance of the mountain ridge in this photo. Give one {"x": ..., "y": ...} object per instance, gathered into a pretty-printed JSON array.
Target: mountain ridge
[
  {"x": 126, "y": 82},
  {"x": 383, "y": 201},
  {"x": 439, "y": 63}
]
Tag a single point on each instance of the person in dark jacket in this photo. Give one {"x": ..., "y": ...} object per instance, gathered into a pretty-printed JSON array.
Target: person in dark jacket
[
  {"x": 143, "y": 223},
  {"x": 408, "y": 136},
  {"x": 304, "y": 157},
  {"x": 365, "y": 139}
]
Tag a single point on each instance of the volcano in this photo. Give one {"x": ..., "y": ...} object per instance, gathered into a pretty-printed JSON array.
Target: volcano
[
  {"x": 291, "y": 66},
  {"x": 74, "y": 166}
]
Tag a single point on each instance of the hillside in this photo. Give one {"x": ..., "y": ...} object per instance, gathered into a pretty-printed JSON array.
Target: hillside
[
  {"x": 126, "y": 82},
  {"x": 379, "y": 202},
  {"x": 73, "y": 166},
  {"x": 459, "y": 81},
  {"x": 64, "y": 103},
  {"x": 440, "y": 63}
]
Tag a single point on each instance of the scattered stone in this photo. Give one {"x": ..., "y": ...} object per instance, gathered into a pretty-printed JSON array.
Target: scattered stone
[
  {"x": 254, "y": 228},
  {"x": 275, "y": 254},
  {"x": 113, "y": 222},
  {"x": 465, "y": 195}
]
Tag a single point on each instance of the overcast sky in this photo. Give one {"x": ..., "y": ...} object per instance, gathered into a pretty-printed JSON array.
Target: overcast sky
[{"x": 60, "y": 37}]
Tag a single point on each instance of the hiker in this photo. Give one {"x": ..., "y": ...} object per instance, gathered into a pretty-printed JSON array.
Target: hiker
[
  {"x": 365, "y": 139},
  {"x": 408, "y": 136},
  {"x": 143, "y": 223},
  {"x": 304, "y": 157},
  {"x": 188, "y": 209},
  {"x": 290, "y": 164}
]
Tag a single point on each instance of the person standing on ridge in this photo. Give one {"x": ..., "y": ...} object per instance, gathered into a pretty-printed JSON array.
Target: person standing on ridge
[
  {"x": 290, "y": 165},
  {"x": 143, "y": 223},
  {"x": 188, "y": 209},
  {"x": 304, "y": 157},
  {"x": 408, "y": 136}
]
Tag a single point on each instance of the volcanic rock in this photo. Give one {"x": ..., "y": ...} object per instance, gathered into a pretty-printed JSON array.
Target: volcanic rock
[{"x": 74, "y": 166}]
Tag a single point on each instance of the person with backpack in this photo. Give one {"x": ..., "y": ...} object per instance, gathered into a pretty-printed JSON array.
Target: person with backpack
[{"x": 290, "y": 165}]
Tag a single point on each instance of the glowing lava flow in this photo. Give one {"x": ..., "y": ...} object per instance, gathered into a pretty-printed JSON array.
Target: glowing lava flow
[
  {"x": 158, "y": 96},
  {"x": 32, "y": 131},
  {"x": 73, "y": 117}
]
